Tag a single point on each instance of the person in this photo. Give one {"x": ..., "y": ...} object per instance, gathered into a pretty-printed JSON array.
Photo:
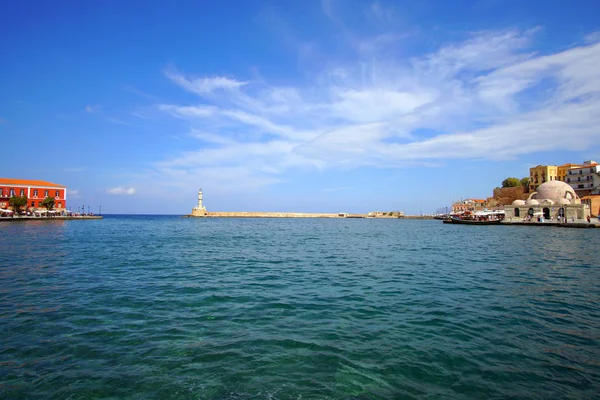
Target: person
[{"x": 589, "y": 219}]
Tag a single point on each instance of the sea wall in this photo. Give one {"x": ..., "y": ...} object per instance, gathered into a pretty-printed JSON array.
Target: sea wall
[
  {"x": 505, "y": 196},
  {"x": 248, "y": 214}
]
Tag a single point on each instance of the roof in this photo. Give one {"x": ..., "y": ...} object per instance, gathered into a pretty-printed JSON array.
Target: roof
[
  {"x": 590, "y": 196},
  {"x": 28, "y": 182},
  {"x": 585, "y": 166},
  {"x": 570, "y": 165}
]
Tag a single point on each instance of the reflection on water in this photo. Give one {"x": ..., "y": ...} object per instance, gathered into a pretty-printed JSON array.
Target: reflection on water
[{"x": 165, "y": 307}]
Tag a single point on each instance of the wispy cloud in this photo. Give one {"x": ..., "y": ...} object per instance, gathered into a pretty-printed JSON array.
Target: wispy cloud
[
  {"x": 141, "y": 93},
  {"x": 490, "y": 96},
  {"x": 97, "y": 110},
  {"x": 92, "y": 109},
  {"x": 121, "y": 191},
  {"x": 203, "y": 86},
  {"x": 73, "y": 194},
  {"x": 593, "y": 37}
]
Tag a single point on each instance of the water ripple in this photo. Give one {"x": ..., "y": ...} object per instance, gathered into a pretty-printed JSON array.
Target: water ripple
[{"x": 168, "y": 308}]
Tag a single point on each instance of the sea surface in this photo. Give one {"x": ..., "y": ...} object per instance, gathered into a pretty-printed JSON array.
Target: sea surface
[{"x": 164, "y": 307}]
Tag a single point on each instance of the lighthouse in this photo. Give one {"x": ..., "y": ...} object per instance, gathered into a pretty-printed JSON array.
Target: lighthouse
[
  {"x": 199, "y": 210},
  {"x": 200, "y": 198}
]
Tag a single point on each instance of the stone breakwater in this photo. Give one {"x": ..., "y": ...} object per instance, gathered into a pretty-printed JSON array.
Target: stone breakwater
[{"x": 248, "y": 214}]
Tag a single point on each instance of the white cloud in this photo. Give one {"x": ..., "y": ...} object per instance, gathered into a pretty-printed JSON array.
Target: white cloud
[
  {"x": 489, "y": 97},
  {"x": 92, "y": 109},
  {"x": 593, "y": 37},
  {"x": 73, "y": 194},
  {"x": 121, "y": 191},
  {"x": 203, "y": 86}
]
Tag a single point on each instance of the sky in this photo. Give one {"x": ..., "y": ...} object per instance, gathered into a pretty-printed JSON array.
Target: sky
[{"x": 305, "y": 106}]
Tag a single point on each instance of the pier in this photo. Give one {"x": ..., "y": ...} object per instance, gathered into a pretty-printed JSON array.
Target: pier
[{"x": 57, "y": 218}]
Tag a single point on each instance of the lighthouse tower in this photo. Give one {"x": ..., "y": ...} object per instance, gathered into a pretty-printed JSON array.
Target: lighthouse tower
[
  {"x": 199, "y": 210},
  {"x": 200, "y": 198}
]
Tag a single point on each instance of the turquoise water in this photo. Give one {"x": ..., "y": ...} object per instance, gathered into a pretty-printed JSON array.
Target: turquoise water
[{"x": 140, "y": 307}]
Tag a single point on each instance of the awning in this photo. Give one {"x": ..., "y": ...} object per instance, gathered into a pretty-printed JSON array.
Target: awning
[{"x": 6, "y": 211}]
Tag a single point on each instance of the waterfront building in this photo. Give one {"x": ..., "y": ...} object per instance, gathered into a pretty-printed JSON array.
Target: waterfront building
[
  {"x": 552, "y": 201},
  {"x": 541, "y": 174},
  {"x": 468, "y": 205},
  {"x": 564, "y": 169},
  {"x": 35, "y": 191},
  {"x": 585, "y": 179},
  {"x": 593, "y": 201}
]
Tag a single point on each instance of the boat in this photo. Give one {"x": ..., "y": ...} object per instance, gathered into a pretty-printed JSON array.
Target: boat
[
  {"x": 455, "y": 220},
  {"x": 478, "y": 218}
]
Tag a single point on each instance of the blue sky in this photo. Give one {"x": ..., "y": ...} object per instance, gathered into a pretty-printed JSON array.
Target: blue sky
[{"x": 331, "y": 106}]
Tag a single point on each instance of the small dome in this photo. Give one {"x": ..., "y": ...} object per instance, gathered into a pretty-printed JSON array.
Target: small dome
[
  {"x": 518, "y": 203},
  {"x": 563, "y": 202},
  {"x": 532, "y": 202},
  {"x": 555, "y": 190},
  {"x": 547, "y": 201}
]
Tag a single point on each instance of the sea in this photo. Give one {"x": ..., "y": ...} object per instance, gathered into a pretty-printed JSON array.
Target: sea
[{"x": 165, "y": 307}]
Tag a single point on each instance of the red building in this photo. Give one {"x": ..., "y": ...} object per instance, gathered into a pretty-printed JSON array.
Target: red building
[{"x": 35, "y": 191}]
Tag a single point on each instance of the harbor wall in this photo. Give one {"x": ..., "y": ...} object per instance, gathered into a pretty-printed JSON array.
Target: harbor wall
[{"x": 249, "y": 214}]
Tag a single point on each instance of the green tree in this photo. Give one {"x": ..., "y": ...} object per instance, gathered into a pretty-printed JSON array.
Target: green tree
[
  {"x": 17, "y": 202},
  {"x": 525, "y": 181},
  {"x": 511, "y": 182},
  {"x": 48, "y": 202}
]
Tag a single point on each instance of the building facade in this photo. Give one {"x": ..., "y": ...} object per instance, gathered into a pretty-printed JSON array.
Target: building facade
[
  {"x": 35, "y": 192},
  {"x": 563, "y": 170},
  {"x": 468, "y": 205},
  {"x": 585, "y": 179},
  {"x": 542, "y": 174},
  {"x": 553, "y": 201}
]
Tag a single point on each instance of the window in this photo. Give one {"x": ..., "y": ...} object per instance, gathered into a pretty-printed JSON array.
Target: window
[
  {"x": 57, "y": 193},
  {"x": 22, "y": 192},
  {"x": 517, "y": 212},
  {"x": 568, "y": 179},
  {"x": 33, "y": 204},
  {"x": 46, "y": 193},
  {"x": 580, "y": 186},
  {"x": 12, "y": 192},
  {"x": 35, "y": 194}
]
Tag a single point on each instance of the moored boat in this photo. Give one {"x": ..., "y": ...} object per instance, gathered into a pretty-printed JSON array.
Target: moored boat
[
  {"x": 477, "y": 218},
  {"x": 472, "y": 221}
]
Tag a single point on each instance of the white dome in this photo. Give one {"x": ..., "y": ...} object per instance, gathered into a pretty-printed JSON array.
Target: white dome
[
  {"x": 547, "y": 201},
  {"x": 532, "y": 202},
  {"x": 555, "y": 190},
  {"x": 563, "y": 202},
  {"x": 518, "y": 203}
]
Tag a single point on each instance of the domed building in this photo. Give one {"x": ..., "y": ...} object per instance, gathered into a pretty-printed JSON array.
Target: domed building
[{"x": 551, "y": 201}]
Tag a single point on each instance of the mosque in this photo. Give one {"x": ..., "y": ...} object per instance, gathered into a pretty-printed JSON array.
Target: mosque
[{"x": 553, "y": 200}]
